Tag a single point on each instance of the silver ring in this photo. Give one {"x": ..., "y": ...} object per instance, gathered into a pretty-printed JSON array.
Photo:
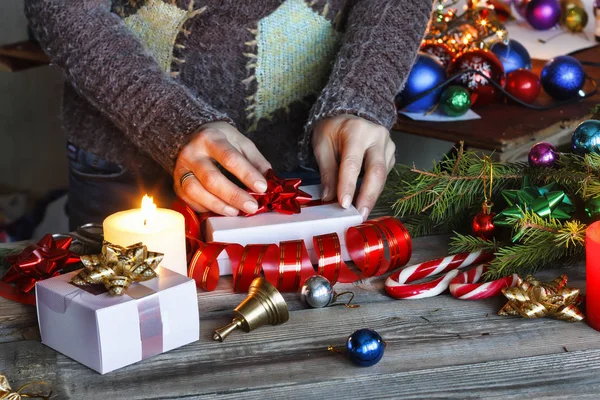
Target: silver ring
[{"x": 185, "y": 176}]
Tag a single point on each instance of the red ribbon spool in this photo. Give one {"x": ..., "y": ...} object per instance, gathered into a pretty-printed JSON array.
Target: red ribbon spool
[{"x": 376, "y": 247}]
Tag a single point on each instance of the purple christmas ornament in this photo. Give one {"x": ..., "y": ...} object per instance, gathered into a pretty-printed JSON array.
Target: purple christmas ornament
[
  {"x": 543, "y": 154},
  {"x": 543, "y": 14}
]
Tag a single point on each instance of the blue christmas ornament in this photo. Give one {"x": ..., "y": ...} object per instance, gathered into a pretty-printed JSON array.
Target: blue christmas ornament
[
  {"x": 563, "y": 77},
  {"x": 426, "y": 74},
  {"x": 365, "y": 347},
  {"x": 586, "y": 138},
  {"x": 513, "y": 55}
]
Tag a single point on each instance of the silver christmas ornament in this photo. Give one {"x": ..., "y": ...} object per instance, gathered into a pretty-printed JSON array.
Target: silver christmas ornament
[{"x": 317, "y": 292}]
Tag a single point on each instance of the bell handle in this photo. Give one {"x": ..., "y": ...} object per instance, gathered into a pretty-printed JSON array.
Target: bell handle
[{"x": 222, "y": 333}]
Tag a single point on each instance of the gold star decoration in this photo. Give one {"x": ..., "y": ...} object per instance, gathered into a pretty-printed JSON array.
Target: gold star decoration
[
  {"x": 117, "y": 267},
  {"x": 534, "y": 299}
]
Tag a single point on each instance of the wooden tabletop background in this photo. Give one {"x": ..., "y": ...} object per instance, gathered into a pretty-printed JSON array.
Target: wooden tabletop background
[{"x": 436, "y": 348}]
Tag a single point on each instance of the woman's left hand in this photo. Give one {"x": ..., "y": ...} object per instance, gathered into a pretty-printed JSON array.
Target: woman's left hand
[{"x": 341, "y": 145}]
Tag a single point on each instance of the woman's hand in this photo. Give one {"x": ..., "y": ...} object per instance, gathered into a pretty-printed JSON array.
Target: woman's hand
[
  {"x": 208, "y": 189},
  {"x": 341, "y": 146}
]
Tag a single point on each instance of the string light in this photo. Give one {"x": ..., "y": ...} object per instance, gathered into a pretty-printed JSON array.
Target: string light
[{"x": 472, "y": 29}]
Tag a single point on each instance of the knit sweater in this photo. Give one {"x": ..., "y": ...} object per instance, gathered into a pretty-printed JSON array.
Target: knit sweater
[{"x": 144, "y": 75}]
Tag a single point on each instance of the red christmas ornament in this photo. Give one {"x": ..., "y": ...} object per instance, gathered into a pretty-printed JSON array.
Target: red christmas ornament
[
  {"x": 440, "y": 51},
  {"x": 489, "y": 67},
  {"x": 524, "y": 85},
  {"x": 483, "y": 225},
  {"x": 502, "y": 9}
]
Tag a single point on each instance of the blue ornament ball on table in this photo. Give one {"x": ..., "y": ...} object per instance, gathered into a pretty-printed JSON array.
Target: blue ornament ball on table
[
  {"x": 513, "y": 55},
  {"x": 426, "y": 74},
  {"x": 563, "y": 77},
  {"x": 365, "y": 347},
  {"x": 586, "y": 138}
]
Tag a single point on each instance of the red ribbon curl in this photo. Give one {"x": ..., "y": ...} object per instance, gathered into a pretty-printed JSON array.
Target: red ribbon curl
[
  {"x": 376, "y": 247},
  {"x": 43, "y": 260}
]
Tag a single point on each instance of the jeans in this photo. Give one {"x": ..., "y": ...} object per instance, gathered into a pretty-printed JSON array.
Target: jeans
[{"x": 98, "y": 188}]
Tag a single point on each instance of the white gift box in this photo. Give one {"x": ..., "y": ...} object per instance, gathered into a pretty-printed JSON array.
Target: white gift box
[
  {"x": 272, "y": 227},
  {"x": 107, "y": 332}
]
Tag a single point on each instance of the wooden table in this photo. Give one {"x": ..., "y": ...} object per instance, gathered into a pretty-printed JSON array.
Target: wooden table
[
  {"x": 509, "y": 130},
  {"x": 436, "y": 348}
]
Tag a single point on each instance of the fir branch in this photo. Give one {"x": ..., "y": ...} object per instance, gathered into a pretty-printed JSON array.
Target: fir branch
[
  {"x": 541, "y": 241},
  {"x": 469, "y": 244},
  {"x": 578, "y": 175},
  {"x": 453, "y": 185},
  {"x": 5, "y": 252},
  {"x": 419, "y": 225}
]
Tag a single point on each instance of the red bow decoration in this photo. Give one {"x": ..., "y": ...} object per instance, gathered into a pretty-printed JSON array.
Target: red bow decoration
[
  {"x": 282, "y": 196},
  {"x": 43, "y": 260}
]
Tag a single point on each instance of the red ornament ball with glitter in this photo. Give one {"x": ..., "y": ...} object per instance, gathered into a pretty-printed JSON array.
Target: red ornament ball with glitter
[
  {"x": 483, "y": 225},
  {"x": 489, "y": 67},
  {"x": 524, "y": 85},
  {"x": 440, "y": 51}
]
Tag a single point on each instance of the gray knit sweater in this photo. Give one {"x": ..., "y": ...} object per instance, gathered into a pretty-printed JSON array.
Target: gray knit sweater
[{"x": 143, "y": 75}]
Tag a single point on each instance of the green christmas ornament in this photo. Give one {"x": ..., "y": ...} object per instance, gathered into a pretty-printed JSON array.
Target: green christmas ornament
[
  {"x": 455, "y": 101},
  {"x": 547, "y": 201},
  {"x": 592, "y": 209}
]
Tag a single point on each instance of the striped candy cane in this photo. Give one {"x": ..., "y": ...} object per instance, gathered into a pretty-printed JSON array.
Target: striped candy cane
[
  {"x": 465, "y": 286},
  {"x": 397, "y": 284}
]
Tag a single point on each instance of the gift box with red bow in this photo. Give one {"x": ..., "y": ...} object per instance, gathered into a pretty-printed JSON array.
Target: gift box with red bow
[{"x": 275, "y": 225}]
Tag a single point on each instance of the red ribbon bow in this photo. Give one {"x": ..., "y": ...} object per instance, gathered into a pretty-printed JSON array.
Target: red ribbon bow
[
  {"x": 282, "y": 196},
  {"x": 43, "y": 260}
]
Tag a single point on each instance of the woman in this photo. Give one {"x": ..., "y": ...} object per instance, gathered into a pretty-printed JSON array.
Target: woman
[{"x": 163, "y": 92}]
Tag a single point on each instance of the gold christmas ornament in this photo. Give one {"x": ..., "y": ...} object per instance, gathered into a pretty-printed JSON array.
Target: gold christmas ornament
[
  {"x": 117, "y": 267},
  {"x": 264, "y": 305},
  {"x": 575, "y": 19},
  {"x": 535, "y": 299},
  {"x": 566, "y": 5}
]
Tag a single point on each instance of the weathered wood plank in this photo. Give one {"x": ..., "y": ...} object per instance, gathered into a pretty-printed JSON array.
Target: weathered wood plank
[
  {"x": 434, "y": 347},
  {"x": 421, "y": 335},
  {"x": 567, "y": 376}
]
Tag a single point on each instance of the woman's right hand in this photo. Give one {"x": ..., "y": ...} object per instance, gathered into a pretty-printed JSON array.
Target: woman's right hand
[{"x": 209, "y": 189}]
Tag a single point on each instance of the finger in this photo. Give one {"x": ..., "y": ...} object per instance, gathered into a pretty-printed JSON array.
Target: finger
[
  {"x": 201, "y": 199},
  {"x": 328, "y": 167},
  {"x": 235, "y": 162},
  {"x": 390, "y": 155},
  {"x": 216, "y": 183},
  {"x": 255, "y": 157},
  {"x": 375, "y": 175},
  {"x": 351, "y": 162}
]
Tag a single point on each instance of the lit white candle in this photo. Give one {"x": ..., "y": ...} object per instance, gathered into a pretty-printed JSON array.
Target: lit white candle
[{"x": 160, "y": 229}]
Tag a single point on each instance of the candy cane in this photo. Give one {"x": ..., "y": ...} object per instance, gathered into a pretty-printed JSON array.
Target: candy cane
[
  {"x": 397, "y": 287},
  {"x": 465, "y": 286}
]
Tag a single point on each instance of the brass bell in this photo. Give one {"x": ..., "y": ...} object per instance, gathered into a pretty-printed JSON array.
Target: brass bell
[{"x": 264, "y": 305}]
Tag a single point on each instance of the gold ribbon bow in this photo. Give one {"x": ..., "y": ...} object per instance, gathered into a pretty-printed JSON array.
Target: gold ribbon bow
[
  {"x": 117, "y": 267},
  {"x": 535, "y": 299},
  {"x": 6, "y": 392}
]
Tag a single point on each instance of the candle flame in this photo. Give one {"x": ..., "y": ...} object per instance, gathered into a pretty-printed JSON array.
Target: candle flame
[{"x": 148, "y": 208}]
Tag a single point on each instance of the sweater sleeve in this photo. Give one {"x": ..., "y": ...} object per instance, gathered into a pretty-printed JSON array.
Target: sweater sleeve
[
  {"x": 110, "y": 68},
  {"x": 379, "y": 48}
]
